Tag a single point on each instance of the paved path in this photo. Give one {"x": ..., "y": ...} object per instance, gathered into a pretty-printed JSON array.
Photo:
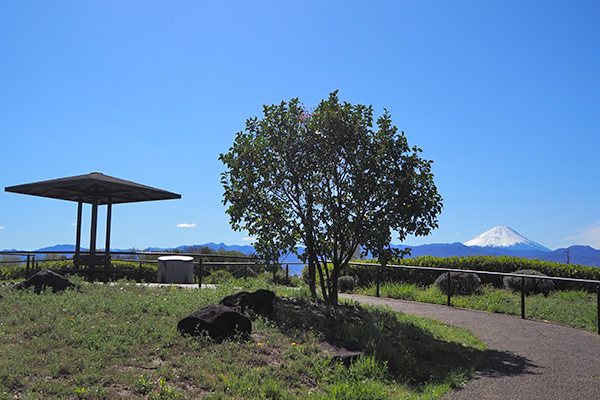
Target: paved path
[{"x": 526, "y": 359}]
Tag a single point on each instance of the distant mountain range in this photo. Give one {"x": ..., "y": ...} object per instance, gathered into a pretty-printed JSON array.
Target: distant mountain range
[
  {"x": 213, "y": 246},
  {"x": 583, "y": 255},
  {"x": 498, "y": 241},
  {"x": 505, "y": 241}
]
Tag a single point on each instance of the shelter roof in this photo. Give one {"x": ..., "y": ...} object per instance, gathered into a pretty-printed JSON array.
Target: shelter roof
[{"x": 94, "y": 186}]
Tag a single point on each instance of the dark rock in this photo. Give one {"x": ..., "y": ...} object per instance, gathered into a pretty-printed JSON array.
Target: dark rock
[
  {"x": 218, "y": 321},
  {"x": 532, "y": 285},
  {"x": 46, "y": 279},
  {"x": 341, "y": 353},
  {"x": 461, "y": 283},
  {"x": 260, "y": 302}
]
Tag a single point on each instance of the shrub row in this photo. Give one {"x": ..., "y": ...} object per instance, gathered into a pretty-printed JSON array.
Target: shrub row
[
  {"x": 140, "y": 272},
  {"x": 366, "y": 275},
  {"x": 146, "y": 272}
]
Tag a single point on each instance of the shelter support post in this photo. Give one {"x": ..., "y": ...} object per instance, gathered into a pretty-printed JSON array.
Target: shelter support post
[
  {"x": 93, "y": 229},
  {"x": 78, "y": 234},
  {"x": 107, "y": 244}
]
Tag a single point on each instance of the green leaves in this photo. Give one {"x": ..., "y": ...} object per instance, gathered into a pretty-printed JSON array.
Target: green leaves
[{"x": 328, "y": 179}]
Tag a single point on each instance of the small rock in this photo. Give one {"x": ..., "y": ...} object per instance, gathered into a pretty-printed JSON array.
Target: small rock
[
  {"x": 46, "y": 279},
  {"x": 260, "y": 302},
  {"x": 218, "y": 321}
]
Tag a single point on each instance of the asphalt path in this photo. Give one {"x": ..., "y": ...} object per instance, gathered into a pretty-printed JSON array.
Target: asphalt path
[{"x": 525, "y": 359}]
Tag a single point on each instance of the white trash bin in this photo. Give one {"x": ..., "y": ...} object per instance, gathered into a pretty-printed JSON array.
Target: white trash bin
[{"x": 175, "y": 269}]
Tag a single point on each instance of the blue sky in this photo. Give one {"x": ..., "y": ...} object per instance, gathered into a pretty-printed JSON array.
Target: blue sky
[{"x": 504, "y": 96}]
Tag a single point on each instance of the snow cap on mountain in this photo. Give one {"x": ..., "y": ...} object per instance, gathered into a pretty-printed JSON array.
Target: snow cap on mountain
[{"x": 505, "y": 237}]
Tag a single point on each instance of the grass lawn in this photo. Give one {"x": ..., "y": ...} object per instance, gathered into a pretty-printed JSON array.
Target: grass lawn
[
  {"x": 121, "y": 341},
  {"x": 575, "y": 308}
]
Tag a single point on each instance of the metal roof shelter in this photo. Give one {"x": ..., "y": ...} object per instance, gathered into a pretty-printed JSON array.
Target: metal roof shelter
[{"x": 95, "y": 189}]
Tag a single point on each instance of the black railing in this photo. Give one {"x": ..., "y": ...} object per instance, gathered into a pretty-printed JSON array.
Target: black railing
[
  {"x": 33, "y": 259},
  {"x": 522, "y": 277}
]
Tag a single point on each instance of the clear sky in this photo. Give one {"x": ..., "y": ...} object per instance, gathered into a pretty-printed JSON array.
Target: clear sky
[{"x": 504, "y": 96}]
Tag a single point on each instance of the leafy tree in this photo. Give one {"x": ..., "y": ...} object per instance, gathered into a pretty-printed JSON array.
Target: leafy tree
[{"x": 327, "y": 179}]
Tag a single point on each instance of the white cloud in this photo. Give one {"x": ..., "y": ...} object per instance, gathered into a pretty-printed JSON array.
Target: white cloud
[
  {"x": 249, "y": 238},
  {"x": 186, "y": 225},
  {"x": 589, "y": 236},
  {"x": 2, "y": 228}
]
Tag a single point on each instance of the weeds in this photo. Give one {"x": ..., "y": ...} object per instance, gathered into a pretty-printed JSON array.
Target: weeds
[
  {"x": 120, "y": 341},
  {"x": 573, "y": 307}
]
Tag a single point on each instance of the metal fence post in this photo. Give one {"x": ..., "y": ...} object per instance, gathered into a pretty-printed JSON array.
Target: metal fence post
[
  {"x": 448, "y": 302},
  {"x": 377, "y": 279},
  {"x": 200, "y": 273},
  {"x": 27, "y": 267},
  {"x": 523, "y": 298},
  {"x": 245, "y": 272}
]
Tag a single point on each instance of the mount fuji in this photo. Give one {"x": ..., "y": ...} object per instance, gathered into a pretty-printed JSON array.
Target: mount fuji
[{"x": 505, "y": 238}]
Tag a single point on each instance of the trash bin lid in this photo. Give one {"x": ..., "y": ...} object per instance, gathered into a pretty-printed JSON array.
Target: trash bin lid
[{"x": 175, "y": 258}]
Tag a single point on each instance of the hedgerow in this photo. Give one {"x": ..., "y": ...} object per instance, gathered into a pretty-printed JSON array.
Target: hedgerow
[{"x": 138, "y": 271}]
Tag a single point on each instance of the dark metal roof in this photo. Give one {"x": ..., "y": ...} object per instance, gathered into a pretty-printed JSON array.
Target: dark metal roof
[{"x": 92, "y": 186}]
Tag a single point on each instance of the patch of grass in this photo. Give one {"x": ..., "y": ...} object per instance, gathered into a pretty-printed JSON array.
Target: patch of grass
[
  {"x": 120, "y": 341},
  {"x": 571, "y": 307}
]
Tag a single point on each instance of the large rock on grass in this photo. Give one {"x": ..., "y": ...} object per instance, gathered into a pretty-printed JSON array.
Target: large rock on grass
[
  {"x": 218, "y": 321},
  {"x": 46, "y": 279},
  {"x": 260, "y": 302}
]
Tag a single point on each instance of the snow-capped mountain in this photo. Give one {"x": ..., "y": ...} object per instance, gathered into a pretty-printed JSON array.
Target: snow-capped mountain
[{"x": 505, "y": 238}]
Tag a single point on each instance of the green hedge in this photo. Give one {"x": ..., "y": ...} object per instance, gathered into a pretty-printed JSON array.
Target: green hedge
[
  {"x": 141, "y": 272},
  {"x": 366, "y": 275}
]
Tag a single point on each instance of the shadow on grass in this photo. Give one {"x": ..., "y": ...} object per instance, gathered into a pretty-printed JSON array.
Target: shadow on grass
[{"x": 413, "y": 354}]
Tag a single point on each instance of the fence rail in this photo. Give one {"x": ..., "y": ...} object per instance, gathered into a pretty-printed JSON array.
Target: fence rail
[
  {"x": 523, "y": 278},
  {"x": 32, "y": 260}
]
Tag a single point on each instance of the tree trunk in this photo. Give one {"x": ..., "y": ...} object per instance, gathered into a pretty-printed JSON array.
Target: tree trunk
[
  {"x": 323, "y": 282},
  {"x": 312, "y": 276},
  {"x": 333, "y": 294}
]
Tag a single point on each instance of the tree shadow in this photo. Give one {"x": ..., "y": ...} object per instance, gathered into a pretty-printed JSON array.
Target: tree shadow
[
  {"x": 505, "y": 363},
  {"x": 412, "y": 354}
]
